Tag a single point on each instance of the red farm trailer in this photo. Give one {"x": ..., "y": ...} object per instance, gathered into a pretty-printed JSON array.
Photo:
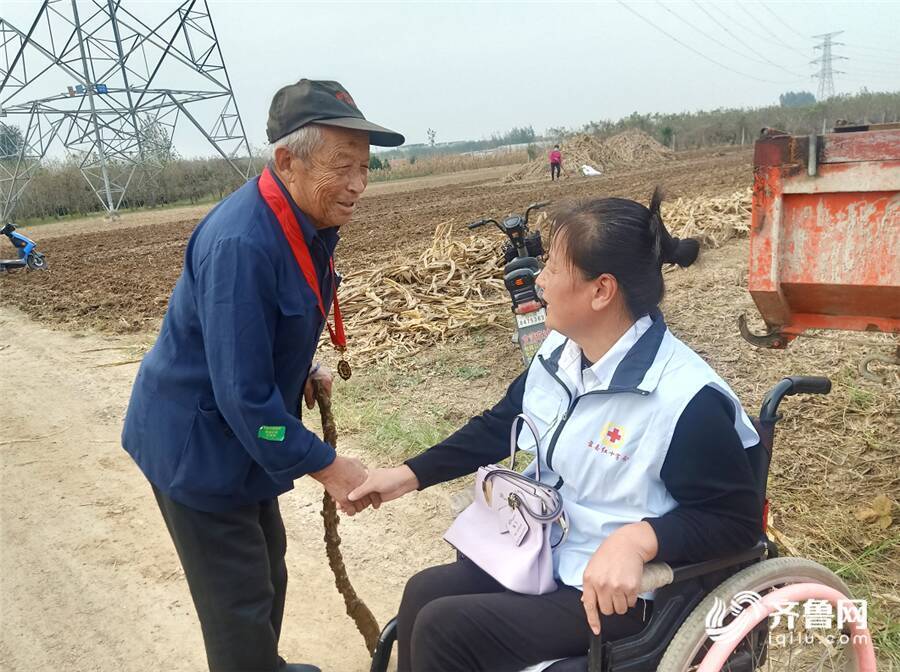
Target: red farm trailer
[{"x": 825, "y": 233}]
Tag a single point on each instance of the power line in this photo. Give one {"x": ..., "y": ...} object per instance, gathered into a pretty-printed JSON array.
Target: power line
[
  {"x": 728, "y": 30},
  {"x": 790, "y": 27},
  {"x": 869, "y": 71},
  {"x": 699, "y": 53},
  {"x": 868, "y": 48},
  {"x": 761, "y": 36},
  {"x": 780, "y": 22},
  {"x": 764, "y": 61},
  {"x": 886, "y": 83},
  {"x": 878, "y": 61},
  {"x": 766, "y": 31}
]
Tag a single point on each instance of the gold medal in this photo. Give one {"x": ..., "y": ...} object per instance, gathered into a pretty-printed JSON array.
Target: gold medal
[{"x": 343, "y": 369}]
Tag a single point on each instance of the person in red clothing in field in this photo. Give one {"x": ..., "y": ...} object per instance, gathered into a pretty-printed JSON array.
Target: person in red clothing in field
[{"x": 555, "y": 162}]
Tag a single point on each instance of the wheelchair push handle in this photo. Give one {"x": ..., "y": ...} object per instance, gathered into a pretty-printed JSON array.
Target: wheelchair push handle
[
  {"x": 809, "y": 385},
  {"x": 787, "y": 387}
]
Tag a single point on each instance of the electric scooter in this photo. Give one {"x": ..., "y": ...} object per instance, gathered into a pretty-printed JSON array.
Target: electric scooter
[
  {"x": 522, "y": 255},
  {"x": 28, "y": 256}
]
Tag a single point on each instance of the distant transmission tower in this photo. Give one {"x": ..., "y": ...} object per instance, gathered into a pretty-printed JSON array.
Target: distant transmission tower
[
  {"x": 826, "y": 72},
  {"x": 106, "y": 80}
]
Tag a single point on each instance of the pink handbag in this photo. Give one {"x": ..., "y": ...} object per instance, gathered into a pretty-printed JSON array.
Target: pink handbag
[{"x": 506, "y": 530}]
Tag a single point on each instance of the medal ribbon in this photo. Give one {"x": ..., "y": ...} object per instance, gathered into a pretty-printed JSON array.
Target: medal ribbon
[{"x": 275, "y": 199}]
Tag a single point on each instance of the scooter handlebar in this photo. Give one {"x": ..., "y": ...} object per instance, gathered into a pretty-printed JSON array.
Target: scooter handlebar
[{"x": 535, "y": 206}]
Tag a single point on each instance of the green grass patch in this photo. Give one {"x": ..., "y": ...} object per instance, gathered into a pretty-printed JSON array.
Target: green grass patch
[
  {"x": 471, "y": 372},
  {"x": 860, "y": 573},
  {"x": 869, "y": 561},
  {"x": 389, "y": 415},
  {"x": 402, "y": 436},
  {"x": 859, "y": 399}
]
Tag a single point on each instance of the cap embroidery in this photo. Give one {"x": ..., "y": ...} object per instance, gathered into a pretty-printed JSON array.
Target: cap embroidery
[{"x": 344, "y": 97}]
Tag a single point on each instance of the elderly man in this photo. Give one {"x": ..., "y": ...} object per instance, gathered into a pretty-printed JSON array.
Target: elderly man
[{"x": 213, "y": 420}]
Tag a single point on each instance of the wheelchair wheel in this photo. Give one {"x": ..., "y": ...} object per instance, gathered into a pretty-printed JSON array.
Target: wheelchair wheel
[{"x": 712, "y": 638}]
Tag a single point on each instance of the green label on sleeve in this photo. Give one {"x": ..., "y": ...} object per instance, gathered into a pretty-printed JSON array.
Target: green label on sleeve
[{"x": 271, "y": 433}]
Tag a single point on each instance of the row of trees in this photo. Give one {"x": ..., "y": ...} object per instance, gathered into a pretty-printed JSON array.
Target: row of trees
[
  {"x": 798, "y": 113},
  {"x": 517, "y": 135},
  {"x": 59, "y": 190}
]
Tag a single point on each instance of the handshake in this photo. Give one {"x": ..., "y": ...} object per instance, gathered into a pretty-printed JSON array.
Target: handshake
[
  {"x": 350, "y": 484},
  {"x": 354, "y": 488}
]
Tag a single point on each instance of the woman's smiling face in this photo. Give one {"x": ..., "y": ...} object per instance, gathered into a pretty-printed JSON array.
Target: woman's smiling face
[{"x": 565, "y": 291}]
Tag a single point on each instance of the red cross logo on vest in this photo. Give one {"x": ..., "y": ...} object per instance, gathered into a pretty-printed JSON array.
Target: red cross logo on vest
[{"x": 612, "y": 436}]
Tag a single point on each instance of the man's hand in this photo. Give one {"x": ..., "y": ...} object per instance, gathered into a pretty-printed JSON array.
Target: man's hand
[
  {"x": 319, "y": 374},
  {"x": 386, "y": 484},
  {"x": 612, "y": 578},
  {"x": 339, "y": 478}
]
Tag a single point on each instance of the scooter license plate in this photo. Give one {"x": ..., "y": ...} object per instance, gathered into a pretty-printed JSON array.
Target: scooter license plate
[{"x": 531, "y": 319}]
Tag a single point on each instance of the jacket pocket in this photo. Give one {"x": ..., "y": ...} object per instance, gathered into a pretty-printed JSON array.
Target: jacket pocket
[
  {"x": 297, "y": 318},
  {"x": 294, "y": 304},
  {"x": 213, "y": 462},
  {"x": 544, "y": 409}
]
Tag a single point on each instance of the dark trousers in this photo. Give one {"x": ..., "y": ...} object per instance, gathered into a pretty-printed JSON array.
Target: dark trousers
[
  {"x": 456, "y": 617},
  {"x": 235, "y": 569},
  {"x": 554, "y": 170}
]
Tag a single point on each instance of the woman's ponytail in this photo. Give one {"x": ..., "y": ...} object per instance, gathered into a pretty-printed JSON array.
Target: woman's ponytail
[{"x": 668, "y": 248}]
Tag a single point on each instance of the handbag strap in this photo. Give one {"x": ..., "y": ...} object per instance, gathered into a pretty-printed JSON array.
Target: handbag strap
[
  {"x": 513, "y": 441},
  {"x": 549, "y": 497}
]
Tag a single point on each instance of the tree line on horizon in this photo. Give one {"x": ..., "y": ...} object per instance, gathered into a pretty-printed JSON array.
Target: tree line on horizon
[{"x": 58, "y": 189}]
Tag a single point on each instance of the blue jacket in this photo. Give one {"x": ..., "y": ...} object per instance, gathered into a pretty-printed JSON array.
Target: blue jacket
[{"x": 213, "y": 420}]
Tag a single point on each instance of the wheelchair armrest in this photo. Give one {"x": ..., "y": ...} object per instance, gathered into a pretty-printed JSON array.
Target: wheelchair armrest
[
  {"x": 659, "y": 574},
  {"x": 683, "y": 588}
]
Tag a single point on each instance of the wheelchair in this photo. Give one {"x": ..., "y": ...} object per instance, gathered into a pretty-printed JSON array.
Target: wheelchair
[{"x": 691, "y": 626}]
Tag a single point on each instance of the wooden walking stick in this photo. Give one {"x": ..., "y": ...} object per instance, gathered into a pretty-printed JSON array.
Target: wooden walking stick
[{"x": 356, "y": 608}]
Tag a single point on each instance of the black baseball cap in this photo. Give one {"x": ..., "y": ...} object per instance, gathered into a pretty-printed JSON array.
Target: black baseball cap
[{"x": 322, "y": 102}]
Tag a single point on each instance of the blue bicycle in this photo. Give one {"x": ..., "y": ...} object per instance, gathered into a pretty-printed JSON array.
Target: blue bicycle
[{"x": 28, "y": 256}]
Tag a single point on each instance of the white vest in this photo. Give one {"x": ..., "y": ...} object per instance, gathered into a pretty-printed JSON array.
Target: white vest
[{"x": 604, "y": 448}]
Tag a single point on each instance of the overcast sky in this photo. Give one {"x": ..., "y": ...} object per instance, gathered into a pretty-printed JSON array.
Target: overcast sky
[{"x": 468, "y": 69}]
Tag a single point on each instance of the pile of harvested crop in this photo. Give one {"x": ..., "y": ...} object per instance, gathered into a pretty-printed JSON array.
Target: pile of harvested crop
[{"x": 625, "y": 150}]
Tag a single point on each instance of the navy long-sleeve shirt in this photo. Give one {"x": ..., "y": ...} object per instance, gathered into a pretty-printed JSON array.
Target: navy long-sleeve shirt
[
  {"x": 213, "y": 419},
  {"x": 706, "y": 470}
]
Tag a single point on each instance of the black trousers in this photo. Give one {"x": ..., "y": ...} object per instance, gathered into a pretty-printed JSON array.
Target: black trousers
[
  {"x": 554, "y": 170},
  {"x": 457, "y": 618},
  {"x": 235, "y": 568}
]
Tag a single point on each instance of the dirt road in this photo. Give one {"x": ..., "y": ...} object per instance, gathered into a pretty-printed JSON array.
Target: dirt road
[
  {"x": 88, "y": 576},
  {"x": 89, "y": 579}
]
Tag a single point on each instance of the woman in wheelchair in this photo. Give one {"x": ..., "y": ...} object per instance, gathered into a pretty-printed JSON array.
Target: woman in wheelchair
[{"x": 644, "y": 441}]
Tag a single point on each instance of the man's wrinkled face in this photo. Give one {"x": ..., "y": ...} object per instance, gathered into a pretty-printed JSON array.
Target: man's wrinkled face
[{"x": 327, "y": 186}]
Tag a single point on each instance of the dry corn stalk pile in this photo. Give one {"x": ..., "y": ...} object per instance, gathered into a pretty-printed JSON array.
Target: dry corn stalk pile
[
  {"x": 627, "y": 149},
  {"x": 400, "y": 308},
  {"x": 712, "y": 220}
]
